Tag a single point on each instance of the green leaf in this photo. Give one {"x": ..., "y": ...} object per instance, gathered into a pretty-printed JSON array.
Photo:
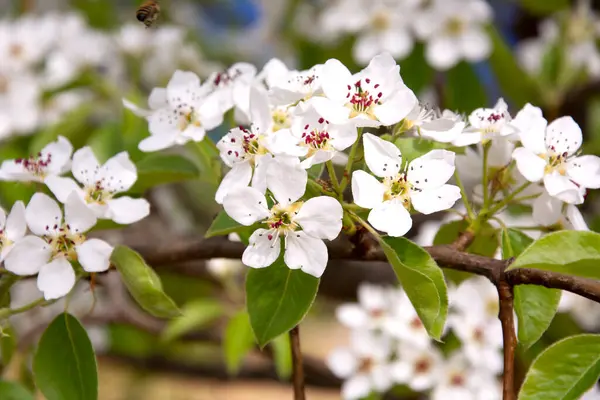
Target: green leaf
[
  {"x": 564, "y": 371},
  {"x": 194, "y": 315},
  {"x": 207, "y": 159},
  {"x": 157, "y": 169},
  {"x": 316, "y": 171},
  {"x": 106, "y": 142},
  {"x": 14, "y": 391},
  {"x": 414, "y": 147},
  {"x": 277, "y": 299},
  {"x": 8, "y": 344},
  {"x": 223, "y": 224},
  {"x": 566, "y": 252},
  {"x": 64, "y": 364},
  {"x": 143, "y": 283},
  {"x": 238, "y": 341},
  {"x": 464, "y": 92},
  {"x": 282, "y": 356},
  {"x": 515, "y": 83},
  {"x": 542, "y": 7},
  {"x": 422, "y": 280},
  {"x": 535, "y": 306},
  {"x": 485, "y": 244}
]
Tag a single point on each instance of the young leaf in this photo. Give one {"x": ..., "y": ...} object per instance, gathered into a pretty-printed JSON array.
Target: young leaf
[
  {"x": 238, "y": 341},
  {"x": 413, "y": 147},
  {"x": 485, "y": 243},
  {"x": 541, "y": 7},
  {"x": 535, "y": 306},
  {"x": 565, "y": 252},
  {"x": 64, "y": 364},
  {"x": 223, "y": 224},
  {"x": 564, "y": 371},
  {"x": 464, "y": 92},
  {"x": 515, "y": 83},
  {"x": 157, "y": 169},
  {"x": 14, "y": 391},
  {"x": 143, "y": 283},
  {"x": 277, "y": 299},
  {"x": 282, "y": 356},
  {"x": 422, "y": 280},
  {"x": 194, "y": 315}
]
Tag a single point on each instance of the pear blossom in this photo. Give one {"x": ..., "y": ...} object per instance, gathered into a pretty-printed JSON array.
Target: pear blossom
[
  {"x": 250, "y": 154},
  {"x": 486, "y": 124},
  {"x": 405, "y": 325},
  {"x": 549, "y": 155},
  {"x": 373, "y": 97},
  {"x": 459, "y": 380},
  {"x": 313, "y": 138},
  {"x": 481, "y": 340},
  {"x": 548, "y": 210},
  {"x": 420, "y": 185},
  {"x": 100, "y": 185},
  {"x": 461, "y": 299},
  {"x": 293, "y": 86},
  {"x": 443, "y": 127},
  {"x": 231, "y": 88},
  {"x": 223, "y": 268},
  {"x": 374, "y": 309},
  {"x": 303, "y": 226},
  {"x": 418, "y": 368},
  {"x": 179, "y": 113},
  {"x": 20, "y": 111},
  {"x": 57, "y": 243},
  {"x": 53, "y": 160},
  {"x": 12, "y": 228},
  {"x": 364, "y": 365},
  {"x": 585, "y": 312},
  {"x": 454, "y": 32}
]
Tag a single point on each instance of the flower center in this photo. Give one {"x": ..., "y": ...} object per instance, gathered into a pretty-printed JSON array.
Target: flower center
[
  {"x": 478, "y": 335},
  {"x": 186, "y": 118},
  {"x": 422, "y": 366},
  {"x": 457, "y": 379},
  {"x": 282, "y": 218},
  {"x": 36, "y": 165},
  {"x": 251, "y": 143},
  {"x": 380, "y": 21},
  {"x": 455, "y": 26},
  {"x": 316, "y": 138},
  {"x": 226, "y": 77},
  {"x": 492, "y": 307},
  {"x": 416, "y": 323},
  {"x": 281, "y": 119},
  {"x": 98, "y": 193},
  {"x": 366, "y": 364},
  {"x": 555, "y": 161},
  {"x": 4, "y": 241},
  {"x": 3, "y": 84},
  {"x": 398, "y": 188},
  {"x": 62, "y": 241},
  {"x": 363, "y": 97},
  {"x": 16, "y": 50}
]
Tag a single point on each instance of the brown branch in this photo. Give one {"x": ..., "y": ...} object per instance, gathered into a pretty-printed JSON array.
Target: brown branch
[
  {"x": 505, "y": 294},
  {"x": 297, "y": 371}
]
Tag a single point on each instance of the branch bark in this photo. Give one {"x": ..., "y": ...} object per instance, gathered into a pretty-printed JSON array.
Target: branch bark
[
  {"x": 297, "y": 364},
  {"x": 505, "y": 295}
]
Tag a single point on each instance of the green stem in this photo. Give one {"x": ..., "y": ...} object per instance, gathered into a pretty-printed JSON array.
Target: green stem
[
  {"x": 524, "y": 198},
  {"x": 508, "y": 199},
  {"x": 7, "y": 312},
  {"x": 486, "y": 195},
  {"x": 463, "y": 194},
  {"x": 365, "y": 225},
  {"x": 351, "y": 156},
  {"x": 333, "y": 177}
]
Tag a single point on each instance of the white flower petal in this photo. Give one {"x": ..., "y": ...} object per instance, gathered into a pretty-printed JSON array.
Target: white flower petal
[
  {"x": 61, "y": 187},
  {"x": 475, "y": 44},
  {"x": 136, "y": 110},
  {"x": 352, "y": 315},
  {"x": 390, "y": 217},
  {"x": 555, "y": 184},
  {"x": 532, "y": 128},
  {"x": 262, "y": 164},
  {"x": 335, "y": 77},
  {"x": 60, "y": 151},
  {"x": 366, "y": 47},
  {"x": 306, "y": 252},
  {"x": 94, "y": 255},
  {"x": 367, "y": 191},
  {"x": 118, "y": 174},
  {"x": 127, "y": 210},
  {"x": 246, "y": 206},
  {"x": 321, "y": 217},
  {"x": 156, "y": 142},
  {"x": 432, "y": 169},
  {"x": 564, "y": 135},
  {"x": 157, "y": 98},
  {"x": 16, "y": 225},
  {"x": 333, "y": 112},
  {"x": 529, "y": 165},
  {"x": 442, "y": 53},
  {"x": 263, "y": 249},
  {"x": 397, "y": 107},
  {"x": 382, "y": 157},
  {"x": 342, "y": 362},
  {"x": 42, "y": 214},
  {"x": 78, "y": 215},
  {"x": 574, "y": 218},
  {"x": 436, "y": 199},
  {"x": 85, "y": 165},
  {"x": 585, "y": 170},
  {"x": 238, "y": 177},
  {"x": 27, "y": 256},
  {"x": 286, "y": 179},
  {"x": 260, "y": 112},
  {"x": 443, "y": 130},
  {"x": 56, "y": 279},
  {"x": 357, "y": 387}
]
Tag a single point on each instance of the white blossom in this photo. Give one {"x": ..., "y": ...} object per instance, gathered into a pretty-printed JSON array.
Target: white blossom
[
  {"x": 421, "y": 185},
  {"x": 100, "y": 185},
  {"x": 57, "y": 243},
  {"x": 486, "y": 124},
  {"x": 417, "y": 367},
  {"x": 12, "y": 228},
  {"x": 303, "y": 226},
  {"x": 375, "y": 308}
]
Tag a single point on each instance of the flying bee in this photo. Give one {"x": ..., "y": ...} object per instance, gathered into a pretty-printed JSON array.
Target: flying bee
[{"x": 148, "y": 12}]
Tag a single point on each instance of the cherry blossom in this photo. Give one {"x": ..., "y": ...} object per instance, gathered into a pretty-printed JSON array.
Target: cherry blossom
[
  {"x": 373, "y": 97},
  {"x": 12, "y": 228},
  {"x": 53, "y": 160},
  {"x": 303, "y": 226},
  {"x": 100, "y": 185},
  {"x": 364, "y": 365},
  {"x": 179, "y": 113},
  {"x": 549, "y": 155},
  {"x": 421, "y": 185},
  {"x": 57, "y": 243}
]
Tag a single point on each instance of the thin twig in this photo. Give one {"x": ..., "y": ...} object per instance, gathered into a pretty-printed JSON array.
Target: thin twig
[
  {"x": 505, "y": 294},
  {"x": 297, "y": 364}
]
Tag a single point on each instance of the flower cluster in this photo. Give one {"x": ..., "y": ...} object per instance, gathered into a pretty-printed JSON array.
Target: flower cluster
[
  {"x": 49, "y": 61},
  {"x": 57, "y": 247},
  {"x": 389, "y": 345},
  {"x": 453, "y": 30}
]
